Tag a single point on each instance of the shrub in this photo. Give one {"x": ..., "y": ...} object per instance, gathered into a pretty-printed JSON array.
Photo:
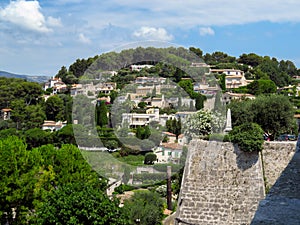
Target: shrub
[
  {"x": 150, "y": 158},
  {"x": 248, "y": 136},
  {"x": 122, "y": 188}
]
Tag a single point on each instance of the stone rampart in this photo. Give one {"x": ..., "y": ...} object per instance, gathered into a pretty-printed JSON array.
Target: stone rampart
[
  {"x": 223, "y": 185},
  {"x": 275, "y": 158}
]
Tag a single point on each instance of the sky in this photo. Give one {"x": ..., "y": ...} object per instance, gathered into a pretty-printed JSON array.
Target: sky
[{"x": 39, "y": 37}]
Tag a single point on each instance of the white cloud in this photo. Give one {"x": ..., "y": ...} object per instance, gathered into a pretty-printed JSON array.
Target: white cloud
[
  {"x": 209, "y": 13},
  {"x": 84, "y": 39},
  {"x": 27, "y": 14},
  {"x": 54, "y": 22},
  {"x": 153, "y": 33},
  {"x": 206, "y": 31}
]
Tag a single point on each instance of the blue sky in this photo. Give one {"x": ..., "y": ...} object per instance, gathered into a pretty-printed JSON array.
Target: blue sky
[{"x": 38, "y": 37}]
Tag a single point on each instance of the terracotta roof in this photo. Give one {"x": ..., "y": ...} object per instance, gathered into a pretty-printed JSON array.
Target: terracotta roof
[
  {"x": 6, "y": 110},
  {"x": 181, "y": 136},
  {"x": 169, "y": 134},
  {"x": 173, "y": 146}
]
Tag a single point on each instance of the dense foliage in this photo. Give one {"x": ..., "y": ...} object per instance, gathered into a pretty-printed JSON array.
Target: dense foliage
[
  {"x": 273, "y": 113},
  {"x": 78, "y": 203},
  {"x": 145, "y": 208},
  {"x": 248, "y": 136},
  {"x": 33, "y": 180}
]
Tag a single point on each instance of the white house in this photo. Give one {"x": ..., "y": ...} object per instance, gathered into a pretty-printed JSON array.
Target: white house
[
  {"x": 228, "y": 72},
  {"x": 150, "y": 80},
  {"x": 139, "y": 67},
  {"x": 144, "y": 119},
  {"x": 93, "y": 89},
  {"x": 171, "y": 137},
  {"x": 168, "y": 152},
  {"x": 56, "y": 84},
  {"x": 234, "y": 78},
  {"x": 53, "y": 126},
  {"x": 228, "y": 97},
  {"x": 5, "y": 113}
]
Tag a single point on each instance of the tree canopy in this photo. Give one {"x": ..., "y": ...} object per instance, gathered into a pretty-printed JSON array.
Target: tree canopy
[{"x": 274, "y": 113}]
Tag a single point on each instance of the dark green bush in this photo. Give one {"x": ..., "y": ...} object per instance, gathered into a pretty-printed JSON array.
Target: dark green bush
[
  {"x": 122, "y": 188},
  {"x": 248, "y": 136},
  {"x": 219, "y": 137},
  {"x": 150, "y": 158}
]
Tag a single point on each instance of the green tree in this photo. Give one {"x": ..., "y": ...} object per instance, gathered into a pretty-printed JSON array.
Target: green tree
[
  {"x": 241, "y": 112},
  {"x": 143, "y": 132},
  {"x": 150, "y": 158},
  {"x": 248, "y": 136},
  {"x": 272, "y": 68},
  {"x": 142, "y": 105},
  {"x": 113, "y": 95},
  {"x": 101, "y": 114},
  {"x": 78, "y": 203},
  {"x": 200, "y": 101},
  {"x": 250, "y": 59},
  {"x": 17, "y": 114},
  {"x": 139, "y": 206},
  {"x": 222, "y": 82},
  {"x": 36, "y": 137},
  {"x": 259, "y": 87},
  {"x": 174, "y": 126},
  {"x": 54, "y": 107},
  {"x": 187, "y": 85},
  {"x": 111, "y": 144},
  {"x": 35, "y": 116},
  {"x": 62, "y": 73},
  {"x": 275, "y": 114},
  {"x": 197, "y": 51},
  {"x": 18, "y": 169}
]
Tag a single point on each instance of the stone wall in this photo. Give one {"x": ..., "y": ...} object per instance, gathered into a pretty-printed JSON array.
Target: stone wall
[
  {"x": 275, "y": 158},
  {"x": 221, "y": 185}
]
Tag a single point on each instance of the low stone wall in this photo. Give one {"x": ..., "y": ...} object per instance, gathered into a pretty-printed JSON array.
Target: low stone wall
[
  {"x": 275, "y": 158},
  {"x": 221, "y": 185}
]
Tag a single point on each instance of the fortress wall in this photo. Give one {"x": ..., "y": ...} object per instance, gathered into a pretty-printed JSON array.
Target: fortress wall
[
  {"x": 275, "y": 158},
  {"x": 221, "y": 185}
]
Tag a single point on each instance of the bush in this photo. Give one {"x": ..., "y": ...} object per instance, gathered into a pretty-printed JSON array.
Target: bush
[
  {"x": 122, "y": 188},
  {"x": 217, "y": 137},
  {"x": 248, "y": 136},
  {"x": 150, "y": 158}
]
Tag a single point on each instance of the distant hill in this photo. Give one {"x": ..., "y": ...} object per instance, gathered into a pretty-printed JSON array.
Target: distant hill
[{"x": 38, "y": 79}]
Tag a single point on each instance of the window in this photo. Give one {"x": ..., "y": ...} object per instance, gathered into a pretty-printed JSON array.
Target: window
[{"x": 169, "y": 153}]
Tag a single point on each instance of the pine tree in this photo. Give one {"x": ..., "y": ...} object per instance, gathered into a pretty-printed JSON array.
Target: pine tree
[{"x": 101, "y": 114}]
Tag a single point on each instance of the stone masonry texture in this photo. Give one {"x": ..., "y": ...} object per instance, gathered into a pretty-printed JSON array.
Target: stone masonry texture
[
  {"x": 223, "y": 185},
  {"x": 275, "y": 158},
  {"x": 282, "y": 204}
]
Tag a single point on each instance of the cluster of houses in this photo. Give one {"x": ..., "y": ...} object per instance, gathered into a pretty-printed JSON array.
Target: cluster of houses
[{"x": 150, "y": 91}]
